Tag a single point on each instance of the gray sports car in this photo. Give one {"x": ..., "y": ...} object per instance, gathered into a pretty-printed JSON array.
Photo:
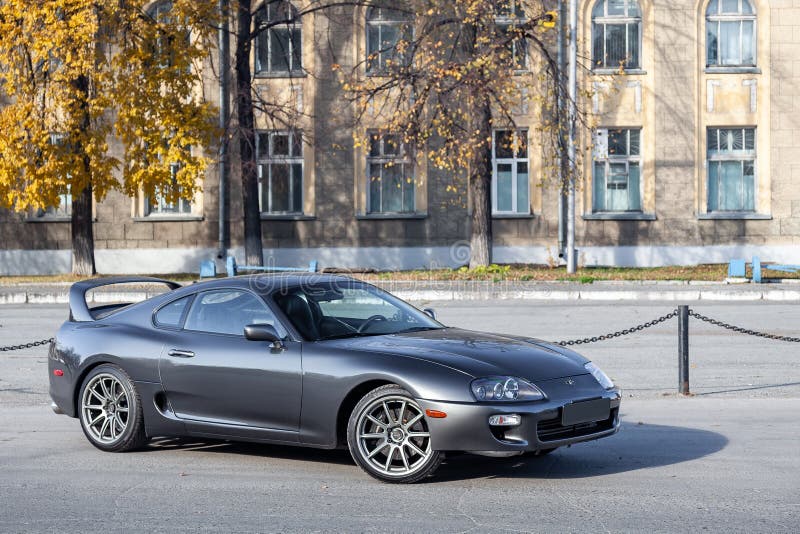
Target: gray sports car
[{"x": 319, "y": 361}]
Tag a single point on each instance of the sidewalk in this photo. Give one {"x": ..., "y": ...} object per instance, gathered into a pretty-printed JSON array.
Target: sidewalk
[{"x": 58, "y": 293}]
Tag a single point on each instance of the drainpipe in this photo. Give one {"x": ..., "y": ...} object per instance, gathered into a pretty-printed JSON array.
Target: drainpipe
[
  {"x": 562, "y": 124},
  {"x": 224, "y": 113},
  {"x": 572, "y": 260}
]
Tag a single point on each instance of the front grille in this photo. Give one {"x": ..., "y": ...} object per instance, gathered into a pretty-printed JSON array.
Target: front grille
[{"x": 553, "y": 430}]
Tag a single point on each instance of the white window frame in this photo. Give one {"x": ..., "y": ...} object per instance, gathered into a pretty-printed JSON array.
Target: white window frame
[
  {"x": 404, "y": 158},
  {"x": 508, "y": 20},
  {"x": 265, "y": 13},
  {"x": 157, "y": 206},
  {"x": 376, "y": 66},
  {"x": 600, "y": 155},
  {"x": 268, "y": 158},
  {"x": 513, "y": 161},
  {"x": 63, "y": 211},
  {"x": 742, "y": 156},
  {"x": 718, "y": 18},
  {"x": 599, "y": 23}
]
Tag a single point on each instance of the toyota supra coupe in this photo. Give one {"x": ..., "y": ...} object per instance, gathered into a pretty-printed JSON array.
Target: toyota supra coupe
[{"x": 317, "y": 360}]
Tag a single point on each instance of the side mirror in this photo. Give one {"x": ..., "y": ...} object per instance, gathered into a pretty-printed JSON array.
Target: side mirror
[
  {"x": 430, "y": 312},
  {"x": 261, "y": 332}
]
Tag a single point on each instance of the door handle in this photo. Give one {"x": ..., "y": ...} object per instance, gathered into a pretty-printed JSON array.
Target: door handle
[{"x": 181, "y": 353}]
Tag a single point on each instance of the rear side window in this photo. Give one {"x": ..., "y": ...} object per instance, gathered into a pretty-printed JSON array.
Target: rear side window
[
  {"x": 171, "y": 314},
  {"x": 228, "y": 311}
]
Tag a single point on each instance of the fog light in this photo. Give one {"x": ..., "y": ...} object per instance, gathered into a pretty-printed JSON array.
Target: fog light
[{"x": 505, "y": 420}]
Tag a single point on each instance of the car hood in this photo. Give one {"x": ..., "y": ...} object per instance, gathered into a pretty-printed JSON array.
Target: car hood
[{"x": 477, "y": 353}]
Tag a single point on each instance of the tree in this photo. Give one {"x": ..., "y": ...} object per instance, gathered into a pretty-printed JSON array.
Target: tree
[
  {"x": 254, "y": 21},
  {"x": 75, "y": 73},
  {"x": 250, "y": 25},
  {"x": 448, "y": 76}
]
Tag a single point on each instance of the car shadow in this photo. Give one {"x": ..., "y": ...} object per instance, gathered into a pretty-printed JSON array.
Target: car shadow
[
  {"x": 303, "y": 454},
  {"x": 636, "y": 446}
]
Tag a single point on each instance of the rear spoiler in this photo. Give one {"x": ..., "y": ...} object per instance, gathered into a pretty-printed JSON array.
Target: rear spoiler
[{"x": 79, "y": 308}]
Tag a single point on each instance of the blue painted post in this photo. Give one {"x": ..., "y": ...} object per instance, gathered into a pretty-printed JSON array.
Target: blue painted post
[
  {"x": 230, "y": 266},
  {"x": 756, "y": 270}
]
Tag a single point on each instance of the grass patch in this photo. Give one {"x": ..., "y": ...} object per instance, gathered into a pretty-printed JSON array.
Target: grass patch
[
  {"x": 586, "y": 275},
  {"x": 492, "y": 273}
]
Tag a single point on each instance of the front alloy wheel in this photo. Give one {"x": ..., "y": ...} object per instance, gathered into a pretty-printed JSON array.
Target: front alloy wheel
[{"x": 389, "y": 438}]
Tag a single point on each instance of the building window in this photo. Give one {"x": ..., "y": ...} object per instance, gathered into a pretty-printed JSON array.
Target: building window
[
  {"x": 617, "y": 171},
  {"x": 280, "y": 171},
  {"x": 164, "y": 46},
  {"x": 157, "y": 205},
  {"x": 279, "y": 42},
  {"x": 62, "y": 211},
  {"x": 64, "y": 208},
  {"x": 509, "y": 17},
  {"x": 730, "y": 34},
  {"x": 391, "y": 175},
  {"x": 386, "y": 30},
  {"x": 616, "y": 34},
  {"x": 731, "y": 169},
  {"x": 510, "y": 183}
]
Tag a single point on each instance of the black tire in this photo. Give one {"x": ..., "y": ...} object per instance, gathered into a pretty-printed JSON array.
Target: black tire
[
  {"x": 102, "y": 418},
  {"x": 405, "y": 441}
]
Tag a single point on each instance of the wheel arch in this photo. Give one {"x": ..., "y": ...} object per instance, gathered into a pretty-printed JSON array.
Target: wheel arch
[
  {"x": 349, "y": 403},
  {"x": 76, "y": 396}
]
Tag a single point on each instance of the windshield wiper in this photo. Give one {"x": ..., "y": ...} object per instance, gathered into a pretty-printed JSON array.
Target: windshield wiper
[
  {"x": 419, "y": 329},
  {"x": 351, "y": 334}
]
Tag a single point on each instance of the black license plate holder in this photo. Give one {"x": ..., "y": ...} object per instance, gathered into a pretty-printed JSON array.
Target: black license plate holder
[{"x": 585, "y": 412}]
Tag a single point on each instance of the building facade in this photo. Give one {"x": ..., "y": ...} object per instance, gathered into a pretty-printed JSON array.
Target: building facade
[{"x": 695, "y": 157}]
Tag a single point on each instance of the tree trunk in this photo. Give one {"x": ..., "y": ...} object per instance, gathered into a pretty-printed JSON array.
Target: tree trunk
[
  {"x": 253, "y": 247},
  {"x": 82, "y": 231},
  {"x": 82, "y": 234},
  {"x": 480, "y": 181}
]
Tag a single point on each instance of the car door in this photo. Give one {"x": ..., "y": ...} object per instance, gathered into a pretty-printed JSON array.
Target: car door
[{"x": 212, "y": 374}]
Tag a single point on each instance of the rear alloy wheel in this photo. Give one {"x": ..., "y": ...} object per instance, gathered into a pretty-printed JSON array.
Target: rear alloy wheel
[
  {"x": 388, "y": 437},
  {"x": 110, "y": 410}
]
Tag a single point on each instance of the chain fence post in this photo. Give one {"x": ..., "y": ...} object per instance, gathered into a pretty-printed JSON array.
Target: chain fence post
[{"x": 683, "y": 349}]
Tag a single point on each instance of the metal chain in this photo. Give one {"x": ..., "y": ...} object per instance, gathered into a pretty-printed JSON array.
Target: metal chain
[
  {"x": 26, "y": 345},
  {"x": 743, "y": 330},
  {"x": 619, "y": 333}
]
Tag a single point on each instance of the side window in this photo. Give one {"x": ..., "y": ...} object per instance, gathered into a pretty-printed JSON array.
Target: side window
[
  {"x": 171, "y": 314},
  {"x": 228, "y": 311}
]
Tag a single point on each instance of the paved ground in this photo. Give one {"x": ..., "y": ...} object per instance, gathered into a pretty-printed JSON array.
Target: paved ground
[{"x": 724, "y": 460}]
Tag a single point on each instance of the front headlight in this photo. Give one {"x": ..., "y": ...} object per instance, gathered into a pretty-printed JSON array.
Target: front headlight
[
  {"x": 599, "y": 375},
  {"x": 505, "y": 388}
]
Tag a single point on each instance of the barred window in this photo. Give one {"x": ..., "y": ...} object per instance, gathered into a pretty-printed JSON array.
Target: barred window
[
  {"x": 730, "y": 33},
  {"x": 731, "y": 169},
  {"x": 280, "y": 171},
  {"x": 616, "y": 34},
  {"x": 390, "y": 170},
  {"x": 616, "y": 176}
]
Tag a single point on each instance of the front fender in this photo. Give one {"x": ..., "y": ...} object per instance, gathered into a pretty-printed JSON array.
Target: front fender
[{"x": 330, "y": 375}]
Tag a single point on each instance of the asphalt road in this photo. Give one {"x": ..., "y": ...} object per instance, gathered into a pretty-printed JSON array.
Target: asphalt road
[{"x": 723, "y": 460}]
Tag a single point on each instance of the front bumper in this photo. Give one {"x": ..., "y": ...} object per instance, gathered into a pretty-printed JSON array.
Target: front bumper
[{"x": 466, "y": 427}]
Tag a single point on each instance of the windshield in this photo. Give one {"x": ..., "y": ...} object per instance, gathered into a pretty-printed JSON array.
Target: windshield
[{"x": 349, "y": 309}]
